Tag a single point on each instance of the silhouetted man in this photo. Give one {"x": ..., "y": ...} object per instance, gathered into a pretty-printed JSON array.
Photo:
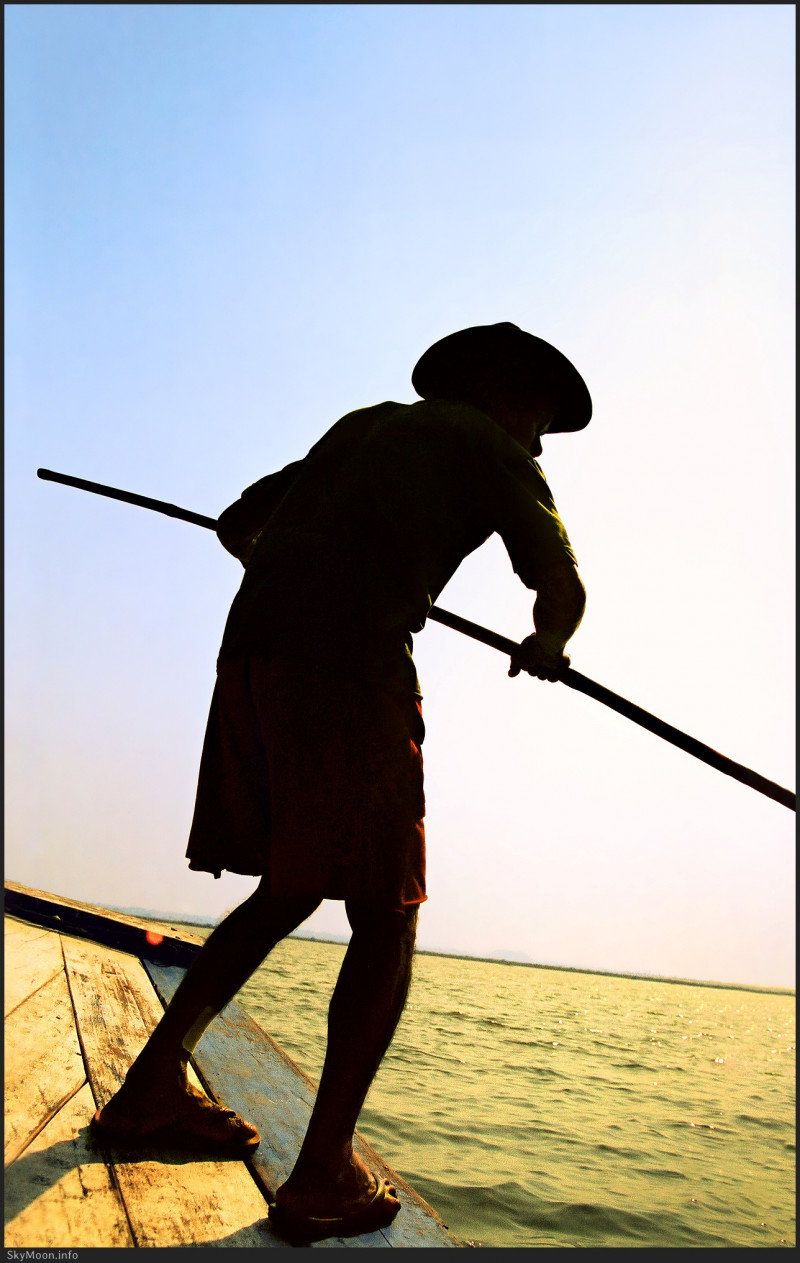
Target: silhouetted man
[{"x": 311, "y": 774}]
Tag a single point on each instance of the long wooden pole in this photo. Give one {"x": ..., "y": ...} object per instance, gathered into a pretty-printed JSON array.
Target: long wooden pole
[
  {"x": 144, "y": 502},
  {"x": 573, "y": 679}
]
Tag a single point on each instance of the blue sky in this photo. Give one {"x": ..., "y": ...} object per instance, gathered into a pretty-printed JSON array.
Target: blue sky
[{"x": 228, "y": 225}]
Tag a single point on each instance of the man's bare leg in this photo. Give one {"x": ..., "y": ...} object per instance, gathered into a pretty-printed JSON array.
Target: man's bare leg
[
  {"x": 156, "y": 1090},
  {"x": 370, "y": 994}
]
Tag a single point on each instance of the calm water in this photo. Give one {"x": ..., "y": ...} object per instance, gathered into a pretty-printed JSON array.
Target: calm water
[{"x": 534, "y": 1107}]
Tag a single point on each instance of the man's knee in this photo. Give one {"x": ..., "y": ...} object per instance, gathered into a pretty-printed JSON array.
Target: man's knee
[
  {"x": 278, "y": 911},
  {"x": 381, "y": 919}
]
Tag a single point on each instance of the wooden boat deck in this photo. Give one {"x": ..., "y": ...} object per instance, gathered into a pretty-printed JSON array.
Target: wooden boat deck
[{"x": 83, "y": 990}]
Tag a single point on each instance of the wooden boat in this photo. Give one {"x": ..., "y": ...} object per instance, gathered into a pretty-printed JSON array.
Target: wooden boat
[{"x": 84, "y": 989}]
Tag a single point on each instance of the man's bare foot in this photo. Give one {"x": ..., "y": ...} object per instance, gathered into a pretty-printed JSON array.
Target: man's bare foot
[{"x": 172, "y": 1111}]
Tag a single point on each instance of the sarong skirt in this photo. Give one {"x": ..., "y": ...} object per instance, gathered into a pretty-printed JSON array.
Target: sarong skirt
[{"x": 313, "y": 779}]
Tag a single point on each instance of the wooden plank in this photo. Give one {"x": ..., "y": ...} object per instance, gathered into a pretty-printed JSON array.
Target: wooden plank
[
  {"x": 169, "y": 1198},
  {"x": 43, "y": 1065},
  {"x": 21, "y": 931},
  {"x": 32, "y": 958},
  {"x": 115, "y": 1010},
  {"x": 173, "y": 1200},
  {"x": 241, "y": 1063},
  {"x": 185, "y": 933},
  {"x": 59, "y": 1192},
  {"x": 124, "y": 933}
]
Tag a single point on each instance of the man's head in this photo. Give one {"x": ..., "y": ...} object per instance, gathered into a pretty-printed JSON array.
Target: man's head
[{"x": 520, "y": 381}]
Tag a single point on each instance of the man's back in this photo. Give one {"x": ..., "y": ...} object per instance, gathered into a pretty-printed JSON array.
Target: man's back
[{"x": 360, "y": 537}]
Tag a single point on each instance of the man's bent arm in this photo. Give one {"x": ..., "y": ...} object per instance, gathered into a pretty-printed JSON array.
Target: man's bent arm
[
  {"x": 558, "y": 608},
  {"x": 239, "y": 526},
  {"x": 557, "y": 613}
]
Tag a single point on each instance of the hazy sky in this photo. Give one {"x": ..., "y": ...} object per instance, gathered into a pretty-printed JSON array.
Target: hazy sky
[{"x": 227, "y": 225}]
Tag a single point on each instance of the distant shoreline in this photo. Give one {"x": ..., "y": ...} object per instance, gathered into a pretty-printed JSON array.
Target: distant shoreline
[
  {"x": 209, "y": 924},
  {"x": 578, "y": 969}
]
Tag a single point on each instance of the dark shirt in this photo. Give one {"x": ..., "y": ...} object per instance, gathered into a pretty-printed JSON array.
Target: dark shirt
[{"x": 347, "y": 549}]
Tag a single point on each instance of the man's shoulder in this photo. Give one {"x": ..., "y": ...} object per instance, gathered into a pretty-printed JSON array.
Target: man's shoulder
[
  {"x": 434, "y": 414},
  {"x": 395, "y": 431}
]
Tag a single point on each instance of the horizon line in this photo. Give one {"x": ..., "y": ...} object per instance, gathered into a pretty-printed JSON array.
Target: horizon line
[{"x": 339, "y": 940}]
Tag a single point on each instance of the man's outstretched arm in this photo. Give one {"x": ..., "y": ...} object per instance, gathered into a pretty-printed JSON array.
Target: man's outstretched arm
[{"x": 557, "y": 612}]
